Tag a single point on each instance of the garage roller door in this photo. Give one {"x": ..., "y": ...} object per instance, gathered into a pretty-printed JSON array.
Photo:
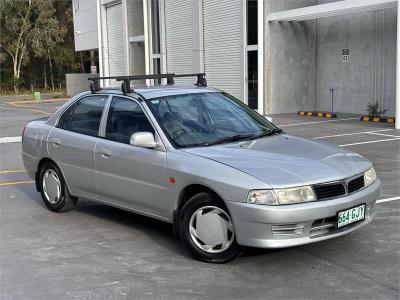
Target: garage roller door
[
  {"x": 223, "y": 45},
  {"x": 115, "y": 41},
  {"x": 179, "y": 38}
]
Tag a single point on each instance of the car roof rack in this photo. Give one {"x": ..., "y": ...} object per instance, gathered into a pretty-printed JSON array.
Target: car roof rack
[{"x": 126, "y": 80}]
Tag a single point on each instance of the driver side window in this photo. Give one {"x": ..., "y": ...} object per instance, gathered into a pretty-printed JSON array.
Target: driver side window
[{"x": 125, "y": 118}]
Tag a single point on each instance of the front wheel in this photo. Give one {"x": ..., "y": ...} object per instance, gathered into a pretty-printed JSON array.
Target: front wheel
[
  {"x": 53, "y": 189},
  {"x": 206, "y": 229}
]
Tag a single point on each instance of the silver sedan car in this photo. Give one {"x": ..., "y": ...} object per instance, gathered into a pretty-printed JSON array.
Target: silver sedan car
[{"x": 196, "y": 157}]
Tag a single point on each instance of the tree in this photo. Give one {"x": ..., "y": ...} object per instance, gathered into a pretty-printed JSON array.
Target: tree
[
  {"x": 47, "y": 33},
  {"x": 26, "y": 24}
]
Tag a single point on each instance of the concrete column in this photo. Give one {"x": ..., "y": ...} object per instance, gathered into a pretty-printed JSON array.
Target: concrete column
[
  {"x": 260, "y": 17},
  {"x": 198, "y": 46},
  {"x": 147, "y": 40},
  {"x": 397, "y": 125}
]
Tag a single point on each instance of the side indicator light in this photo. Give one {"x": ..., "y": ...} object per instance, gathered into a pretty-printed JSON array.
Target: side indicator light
[{"x": 171, "y": 180}]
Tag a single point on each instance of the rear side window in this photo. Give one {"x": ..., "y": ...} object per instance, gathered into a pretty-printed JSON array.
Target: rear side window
[
  {"x": 125, "y": 118},
  {"x": 84, "y": 116}
]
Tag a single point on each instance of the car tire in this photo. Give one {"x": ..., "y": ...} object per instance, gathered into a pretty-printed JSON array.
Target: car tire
[
  {"x": 53, "y": 189},
  {"x": 206, "y": 230}
]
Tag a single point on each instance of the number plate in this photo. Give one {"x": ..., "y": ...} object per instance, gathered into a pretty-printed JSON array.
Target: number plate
[{"x": 351, "y": 215}]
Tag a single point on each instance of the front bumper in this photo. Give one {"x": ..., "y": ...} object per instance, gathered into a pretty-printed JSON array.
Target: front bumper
[{"x": 298, "y": 224}]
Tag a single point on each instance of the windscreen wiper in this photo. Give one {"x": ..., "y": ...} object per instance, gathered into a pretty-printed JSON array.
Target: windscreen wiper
[
  {"x": 266, "y": 133},
  {"x": 234, "y": 138}
]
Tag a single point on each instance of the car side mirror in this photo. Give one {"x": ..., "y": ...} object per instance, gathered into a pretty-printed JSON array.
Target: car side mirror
[
  {"x": 269, "y": 118},
  {"x": 143, "y": 139}
]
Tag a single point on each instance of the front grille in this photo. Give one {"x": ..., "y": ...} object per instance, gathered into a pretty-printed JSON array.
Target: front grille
[
  {"x": 330, "y": 190},
  {"x": 338, "y": 188},
  {"x": 355, "y": 184}
]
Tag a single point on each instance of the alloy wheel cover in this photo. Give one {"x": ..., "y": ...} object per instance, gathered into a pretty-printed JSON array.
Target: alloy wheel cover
[
  {"x": 211, "y": 229},
  {"x": 51, "y": 186}
]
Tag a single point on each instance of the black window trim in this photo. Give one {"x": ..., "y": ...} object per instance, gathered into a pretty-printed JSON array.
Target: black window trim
[
  {"x": 57, "y": 125},
  {"x": 102, "y": 134}
]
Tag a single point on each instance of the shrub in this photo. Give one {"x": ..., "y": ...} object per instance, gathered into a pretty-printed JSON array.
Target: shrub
[{"x": 374, "y": 109}]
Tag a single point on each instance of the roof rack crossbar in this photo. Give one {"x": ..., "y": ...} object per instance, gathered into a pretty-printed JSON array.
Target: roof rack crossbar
[
  {"x": 201, "y": 78},
  {"x": 126, "y": 88}
]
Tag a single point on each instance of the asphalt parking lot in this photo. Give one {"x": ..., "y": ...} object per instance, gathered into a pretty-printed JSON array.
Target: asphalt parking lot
[{"x": 98, "y": 252}]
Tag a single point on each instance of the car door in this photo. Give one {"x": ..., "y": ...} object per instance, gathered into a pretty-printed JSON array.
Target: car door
[
  {"x": 72, "y": 142},
  {"x": 126, "y": 175}
]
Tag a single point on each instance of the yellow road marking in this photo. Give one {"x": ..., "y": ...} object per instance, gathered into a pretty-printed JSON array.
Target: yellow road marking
[
  {"x": 25, "y": 109},
  {"x": 15, "y": 182},
  {"x": 22, "y": 105},
  {"x": 2, "y": 107},
  {"x": 12, "y": 171},
  {"x": 14, "y": 107},
  {"x": 36, "y": 101},
  {"x": 40, "y": 111}
]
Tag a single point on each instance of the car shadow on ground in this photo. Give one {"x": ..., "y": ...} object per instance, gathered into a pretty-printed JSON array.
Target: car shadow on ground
[
  {"x": 158, "y": 231},
  {"x": 161, "y": 232}
]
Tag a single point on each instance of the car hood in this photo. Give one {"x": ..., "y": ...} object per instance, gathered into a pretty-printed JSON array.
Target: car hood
[{"x": 284, "y": 160}]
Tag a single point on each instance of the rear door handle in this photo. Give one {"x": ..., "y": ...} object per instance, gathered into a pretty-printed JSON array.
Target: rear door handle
[
  {"x": 105, "y": 153},
  {"x": 55, "y": 142}
]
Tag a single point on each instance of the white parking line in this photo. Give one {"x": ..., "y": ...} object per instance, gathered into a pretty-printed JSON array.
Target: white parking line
[
  {"x": 370, "y": 142},
  {"x": 388, "y": 199},
  {"x": 10, "y": 139},
  {"x": 308, "y": 123},
  {"x": 353, "y": 133},
  {"x": 391, "y": 135}
]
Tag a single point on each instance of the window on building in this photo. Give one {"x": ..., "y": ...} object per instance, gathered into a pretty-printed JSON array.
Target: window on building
[
  {"x": 252, "y": 22},
  {"x": 155, "y": 22},
  {"x": 252, "y": 53},
  {"x": 252, "y": 78}
]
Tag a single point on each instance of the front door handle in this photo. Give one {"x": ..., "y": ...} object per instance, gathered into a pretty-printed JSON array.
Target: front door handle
[
  {"x": 105, "y": 153},
  {"x": 55, "y": 142}
]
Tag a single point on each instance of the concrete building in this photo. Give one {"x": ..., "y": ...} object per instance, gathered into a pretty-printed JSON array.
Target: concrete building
[{"x": 278, "y": 56}]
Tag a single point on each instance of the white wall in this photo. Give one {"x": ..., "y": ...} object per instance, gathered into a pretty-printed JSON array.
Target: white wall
[
  {"x": 290, "y": 64},
  {"x": 370, "y": 74},
  {"x": 86, "y": 29},
  {"x": 304, "y": 61}
]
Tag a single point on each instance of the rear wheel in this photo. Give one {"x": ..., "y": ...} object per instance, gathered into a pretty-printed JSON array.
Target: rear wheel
[
  {"x": 53, "y": 189},
  {"x": 206, "y": 229}
]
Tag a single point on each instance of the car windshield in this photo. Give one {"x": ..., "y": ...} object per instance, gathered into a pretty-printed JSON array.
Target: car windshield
[{"x": 204, "y": 119}]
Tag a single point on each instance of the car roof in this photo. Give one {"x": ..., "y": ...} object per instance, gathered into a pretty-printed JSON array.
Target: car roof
[{"x": 150, "y": 92}]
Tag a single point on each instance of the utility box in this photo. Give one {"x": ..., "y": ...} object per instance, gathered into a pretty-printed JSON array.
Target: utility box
[{"x": 36, "y": 95}]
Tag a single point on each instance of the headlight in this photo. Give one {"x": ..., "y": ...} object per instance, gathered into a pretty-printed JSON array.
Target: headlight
[
  {"x": 369, "y": 176},
  {"x": 295, "y": 195},
  {"x": 265, "y": 197},
  {"x": 282, "y": 196}
]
